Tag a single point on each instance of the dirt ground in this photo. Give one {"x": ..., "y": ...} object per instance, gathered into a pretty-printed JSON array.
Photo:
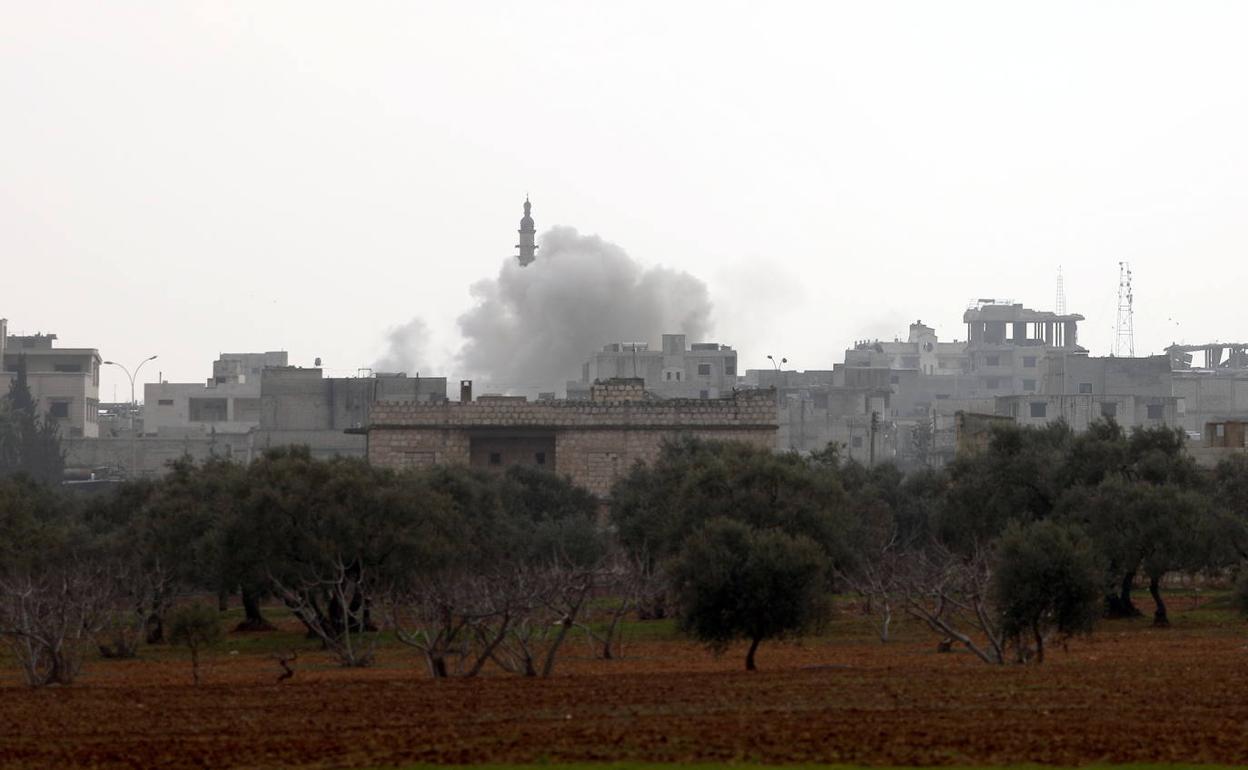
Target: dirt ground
[{"x": 1128, "y": 694}]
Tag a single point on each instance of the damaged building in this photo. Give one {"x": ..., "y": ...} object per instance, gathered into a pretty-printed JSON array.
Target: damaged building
[{"x": 903, "y": 400}]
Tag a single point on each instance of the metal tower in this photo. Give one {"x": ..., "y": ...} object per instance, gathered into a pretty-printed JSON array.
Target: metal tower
[
  {"x": 1124, "y": 329},
  {"x": 1061, "y": 292}
]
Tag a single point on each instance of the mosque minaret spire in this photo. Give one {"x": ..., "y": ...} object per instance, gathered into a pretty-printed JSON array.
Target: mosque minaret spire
[{"x": 527, "y": 247}]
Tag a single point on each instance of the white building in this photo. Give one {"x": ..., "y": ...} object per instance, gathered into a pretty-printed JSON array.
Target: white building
[
  {"x": 228, "y": 402},
  {"x": 701, "y": 370}
]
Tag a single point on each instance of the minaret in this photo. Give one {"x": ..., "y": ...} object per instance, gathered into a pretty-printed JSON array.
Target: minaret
[{"x": 527, "y": 248}]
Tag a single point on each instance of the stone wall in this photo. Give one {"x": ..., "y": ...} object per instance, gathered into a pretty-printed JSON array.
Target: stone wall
[
  {"x": 149, "y": 455},
  {"x": 595, "y": 442}
]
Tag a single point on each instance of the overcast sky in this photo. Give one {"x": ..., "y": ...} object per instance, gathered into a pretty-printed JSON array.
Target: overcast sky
[{"x": 188, "y": 178}]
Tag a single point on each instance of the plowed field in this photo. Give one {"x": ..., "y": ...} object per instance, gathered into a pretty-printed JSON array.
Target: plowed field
[{"x": 1128, "y": 694}]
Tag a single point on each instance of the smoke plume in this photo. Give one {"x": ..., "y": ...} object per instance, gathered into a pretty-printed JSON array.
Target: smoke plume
[
  {"x": 534, "y": 326},
  {"x": 405, "y": 348}
]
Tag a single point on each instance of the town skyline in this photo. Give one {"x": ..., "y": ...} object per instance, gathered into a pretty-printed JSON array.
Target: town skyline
[{"x": 252, "y": 186}]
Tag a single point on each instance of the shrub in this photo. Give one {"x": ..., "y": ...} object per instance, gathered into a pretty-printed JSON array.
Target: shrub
[{"x": 195, "y": 626}]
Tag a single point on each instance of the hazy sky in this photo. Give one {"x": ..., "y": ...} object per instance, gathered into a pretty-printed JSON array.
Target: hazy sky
[{"x": 189, "y": 178}]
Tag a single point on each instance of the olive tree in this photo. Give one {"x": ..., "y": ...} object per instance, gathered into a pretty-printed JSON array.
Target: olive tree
[
  {"x": 1045, "y": 584},
  {"x": 736, "y": 582}
]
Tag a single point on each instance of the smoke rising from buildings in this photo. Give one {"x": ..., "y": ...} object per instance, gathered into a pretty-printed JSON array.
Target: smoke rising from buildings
[
  {"x": 406, "y": 347},
  {"x": 534, "y": 326}
]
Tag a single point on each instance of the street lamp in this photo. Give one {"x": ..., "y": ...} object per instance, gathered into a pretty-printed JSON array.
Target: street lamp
[
  {"x": 134, "y": 407},
  {"x": 773, "y": 361}
]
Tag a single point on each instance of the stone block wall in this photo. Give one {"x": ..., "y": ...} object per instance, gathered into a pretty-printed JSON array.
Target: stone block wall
[{"x": 595, "y": 441}]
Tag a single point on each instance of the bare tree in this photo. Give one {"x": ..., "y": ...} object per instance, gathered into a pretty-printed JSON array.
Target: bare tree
[
  {"x": 875, "y": 577},
  {"x": 335, "y": 608},
  {"x": 456, "y": 618},
  {"x": 51, "y": 618},
  {"x": 950, "y": 594},
  {"x": 533, "y": 640},
  {"x": 626, "y": 584},
  {"x": 144, "y": 594}
]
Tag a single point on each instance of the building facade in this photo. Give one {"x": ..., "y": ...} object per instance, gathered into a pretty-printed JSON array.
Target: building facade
[
  {"x": 327, "y": 414},
  {"x": 64, "y": 382},
  {"x": 593, "y": 442},
  {"x": 228, "y": 402},
  {"x": 676, "y": 370}
]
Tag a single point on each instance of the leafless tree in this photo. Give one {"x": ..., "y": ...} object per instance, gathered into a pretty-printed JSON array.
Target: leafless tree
[
  {"x": 143, "y": 595},
  {"x": 626, "y": 585},
  {"x": 335, "y": 608},
  {"x": 533, "y": 641},
  {"x": 875, "y": 577},
  {"x": 51, "y": 617},
  {"x": 949, "y": 593},
  {"x": 457, "y": 618}
]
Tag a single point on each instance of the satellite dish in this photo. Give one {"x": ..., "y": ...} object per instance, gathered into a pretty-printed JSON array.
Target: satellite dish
[{"x": 318, "y": 361}]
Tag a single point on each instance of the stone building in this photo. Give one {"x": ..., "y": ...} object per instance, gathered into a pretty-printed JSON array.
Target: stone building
[{"x": 594, "y": 442}]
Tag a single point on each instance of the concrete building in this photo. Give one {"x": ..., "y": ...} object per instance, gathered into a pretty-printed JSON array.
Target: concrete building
[
  {"x": 64, "y": 382},
  {"x": 228, "y": 402},
  {"x": 1007, "y": 345},
  {"x": 1212, "y": 385},
  {"x": 702, "y": 370},
  {"x": 818, "y": 407},
  {"x": 252, "y": 402},
  {"x": 594, "y": 442},
  {"x": 922, "y": 352},
  {"x": 327, "y": 414},
  {"x": 1081, "y": 409}
]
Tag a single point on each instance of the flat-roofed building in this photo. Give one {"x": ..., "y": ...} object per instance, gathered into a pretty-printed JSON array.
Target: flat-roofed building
[{"x": 64, "y": 382}]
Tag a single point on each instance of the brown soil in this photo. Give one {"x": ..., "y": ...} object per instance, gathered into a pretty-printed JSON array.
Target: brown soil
[{"x": 1130, "y": 693}]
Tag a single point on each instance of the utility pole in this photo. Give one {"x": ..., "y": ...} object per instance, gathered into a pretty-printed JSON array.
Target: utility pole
[{"x": 875, "y": 426}]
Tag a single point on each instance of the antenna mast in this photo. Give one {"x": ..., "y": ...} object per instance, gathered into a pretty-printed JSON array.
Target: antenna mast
[
  {"x": 1061, "y": 292},
  {"x": 1124, "y": 329}
]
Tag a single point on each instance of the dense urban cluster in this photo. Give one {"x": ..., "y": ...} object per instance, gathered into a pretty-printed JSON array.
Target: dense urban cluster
[{"x": 1030, "y": 538}]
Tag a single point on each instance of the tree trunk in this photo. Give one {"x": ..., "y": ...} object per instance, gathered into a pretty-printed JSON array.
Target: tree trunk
[
  {"x": 749, "y": 656},
  {"x": 1160, "y": 619},
  {"x": 155, "y": 629},
  {"x": 1120, "y": 605},
  {"x": 195, "y": 665},
  {"x": 253, "y": 618},
  {"x": 1035, "y": 632}
]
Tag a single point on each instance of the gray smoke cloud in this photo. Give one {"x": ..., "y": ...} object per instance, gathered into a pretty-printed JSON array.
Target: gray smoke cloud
[
  {"x": 534, "y": 326},
  {"x": 406, "y": 347}
]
